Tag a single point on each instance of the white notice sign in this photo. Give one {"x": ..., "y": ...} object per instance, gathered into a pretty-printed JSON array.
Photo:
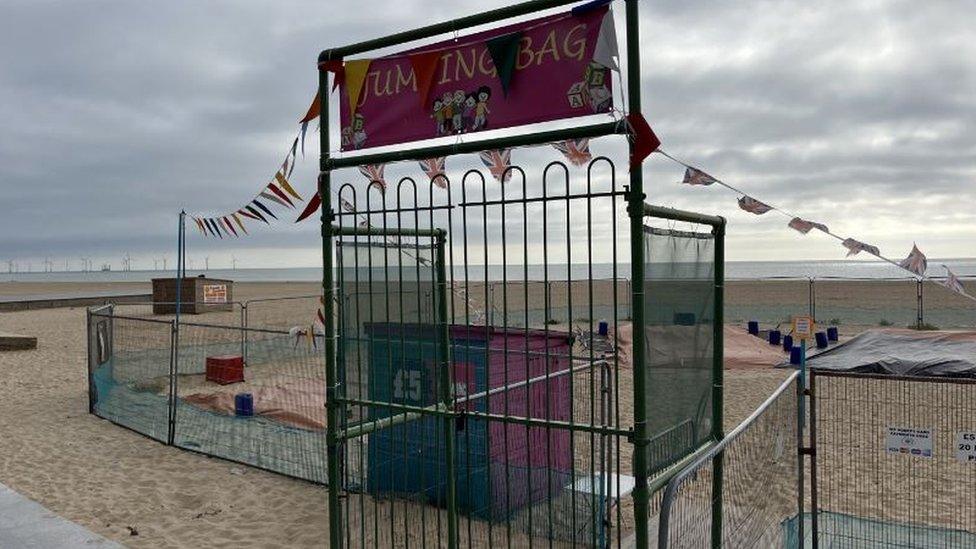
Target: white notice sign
[
  {"x": 966, "y": 446},
  {"x": 913, "y": 442}
]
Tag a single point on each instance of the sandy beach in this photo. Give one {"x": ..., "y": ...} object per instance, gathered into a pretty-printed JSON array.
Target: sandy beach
[{"x": 144, "y": 494}]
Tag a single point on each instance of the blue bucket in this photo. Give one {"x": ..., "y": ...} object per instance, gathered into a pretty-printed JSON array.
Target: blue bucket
[
  {"x": 795, "y": 354},
  {"x": 774, "y": 337},
  {"x": 754, "y": 327},
  {"x": 821, "y": 340},
  {"x": 244, "y": 405},
  {"x": 832, "y": 333},
  {"x": 787, "y": 343},
  {"x": 604, "y": 328}
]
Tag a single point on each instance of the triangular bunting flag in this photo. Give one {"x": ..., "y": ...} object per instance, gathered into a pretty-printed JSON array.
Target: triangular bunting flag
[
  {"x": 283, "y": 183},
  {"x": 313, "y": 110},
  {"x": 200, "y": 225},
  {"x": 752, "y": 205},
  {"x": 498, "y": 163},
  {"x": 576, "y": 151},
  {"x": 304, "y": 129},
  {"x": 645, "y": 142},
  {"x": 310, "y": 208},
  {"x": 294, "y": 156},
  {"x": 268, "y": 196},
  {"x": 504, "y": 53},
  {"x": 606, "y": 53},
  {"x": 263, "y": 208},
  {"x": 855, "y": 247},
  {"x": 953, "y": 283},
  {"x": 434, "y": 169},
  {"x": 355, "y": 72},
  {"x": 280, "y": 194},
  {"x": 230, "y": 226},
  {"x": 424, "y": 69},
  {"x": 347, "y": 206},
  {"x": 214, "y": 228},
  {"x": 336, "y": 68},
  {"x": 374, "y": 172},
  {"x": 694, "y": 176},
  {"x": 248, "y": 214},
  {"x": 915, "y": 262},
  {"x": 804, "y": 226},
  {"x": 255, "y": 213},
  {"x": 240, "y": 223}
]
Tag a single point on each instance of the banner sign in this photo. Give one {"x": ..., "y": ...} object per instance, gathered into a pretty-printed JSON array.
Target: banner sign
[
  {"x": 908, "y": 441},
  {"x": 534, "y": 71}
]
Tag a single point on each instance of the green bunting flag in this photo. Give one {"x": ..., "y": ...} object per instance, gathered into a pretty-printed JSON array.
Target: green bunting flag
[{"x": 504, "y": 53}]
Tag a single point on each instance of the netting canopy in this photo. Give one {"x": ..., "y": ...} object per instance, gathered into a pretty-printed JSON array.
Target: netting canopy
[{"x": 679, "y": 306}]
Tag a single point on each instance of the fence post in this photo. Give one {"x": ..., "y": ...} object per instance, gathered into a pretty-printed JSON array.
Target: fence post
[
  {"x": 173, "y": 368},
  {"x": 920, "y": 305},
  {"x": 88, "y": 346},
  {"x": 244, "y": 335},
  {"x": 718, "y": 417},
  {"x": 447, "y": 389},
  {"x": 812, "y": 299},
  {"x": 814, "y": 521}
]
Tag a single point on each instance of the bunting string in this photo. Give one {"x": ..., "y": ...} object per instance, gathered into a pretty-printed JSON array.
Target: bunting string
[{"x": 915, "y": 263}]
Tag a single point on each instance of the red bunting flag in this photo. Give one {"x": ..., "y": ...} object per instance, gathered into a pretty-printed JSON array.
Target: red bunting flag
[
  {"x": 310, "y": 208},
  {"x": 576, "y": 151},
  {"x": 248, "y": 214},
  {"x": 434, "y": 168},
  {"x": 804, "y": 226},
  {"x": 694, "y": 176},
  {"x": 280, "y": 194},
  {"x": 229, "y": 226},
  {"x": 200, "y": 225},
  {"x": 424, "y": 69},
  {"x": 498, "y": 162},
  {"x": 313, "y": 110},
  {"x": 855, "y": 247},
  {"x": 645, "y": 141},
  {"x": 916, "y": 262},
  {"x": 752, "y": 205},
  {"x": 374, "y": 172}
]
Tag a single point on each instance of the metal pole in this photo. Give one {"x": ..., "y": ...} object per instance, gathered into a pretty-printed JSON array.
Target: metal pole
[
  {"x": 920, "y": 306},
  {"x": 718, "y": 373},
  {"x": 331, "y": 392},
  {"x": 635, "y": 209},
  {"x": 812, "y": 299},
  {"x": 799, "y": 468},
  {"x": 814, "y": 521},
  {"x": 447, "y": 391},
  {"x": 175, "y": 339}
]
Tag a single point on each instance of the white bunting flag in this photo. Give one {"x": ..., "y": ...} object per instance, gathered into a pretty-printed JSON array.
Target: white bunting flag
[
  {"x": 752, "y": 205},
  {"x": 804, "y": 226},
  {"x": 915, "y": 262},
  {"x": 606, "y": 53},
  {"x": 953, "y": 283},
  {"x": 855, "y": 247},
  {"x": 695, "y": 176}
]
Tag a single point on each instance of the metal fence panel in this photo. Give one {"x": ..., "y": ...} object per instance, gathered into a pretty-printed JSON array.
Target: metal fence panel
[{"x": 893, "y": 468}]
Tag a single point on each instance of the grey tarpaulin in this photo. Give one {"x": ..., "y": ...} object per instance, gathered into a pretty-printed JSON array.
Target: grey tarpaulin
[{"x": 903, "y": 352}]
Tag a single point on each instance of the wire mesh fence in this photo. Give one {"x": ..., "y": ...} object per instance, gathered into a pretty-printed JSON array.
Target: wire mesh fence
[
  {"x": 742, "y": 492},
  {"x": 894, "y": 461}
]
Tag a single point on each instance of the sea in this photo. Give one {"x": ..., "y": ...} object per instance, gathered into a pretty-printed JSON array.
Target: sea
[{"x": 734, "y": 270}]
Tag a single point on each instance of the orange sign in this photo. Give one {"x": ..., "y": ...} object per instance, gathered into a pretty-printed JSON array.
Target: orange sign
[{"x": 803, "y": 327}]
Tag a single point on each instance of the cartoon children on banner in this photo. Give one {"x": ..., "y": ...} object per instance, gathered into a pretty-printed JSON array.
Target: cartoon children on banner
[
  {"x": 355, "y": 133},
  {"x": 460, "y": 112}
]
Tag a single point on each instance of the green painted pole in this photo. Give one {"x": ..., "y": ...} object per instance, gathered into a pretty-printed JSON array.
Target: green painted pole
[
  {"x": 331, "y": 375},
  {"x": 718, "y": 383},
  {"x": 635, "y": 209},
  {"x": 803, "y": 384},
  {"x": 447, "y": 390}
]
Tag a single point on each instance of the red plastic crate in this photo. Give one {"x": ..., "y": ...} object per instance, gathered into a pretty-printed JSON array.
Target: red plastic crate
[{"x": 225, "y": 369}]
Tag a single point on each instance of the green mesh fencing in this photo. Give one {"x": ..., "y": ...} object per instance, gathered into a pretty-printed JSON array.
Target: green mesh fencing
[{"x": 679, "y": 309}]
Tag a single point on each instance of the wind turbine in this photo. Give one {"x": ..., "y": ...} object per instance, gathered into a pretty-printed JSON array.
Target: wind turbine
[
  {"x": 206, "y": 261},
  {"x": 233, "y": 262}
]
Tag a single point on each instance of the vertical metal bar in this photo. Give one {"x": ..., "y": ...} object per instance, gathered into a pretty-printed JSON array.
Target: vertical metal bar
[
  {"x": 920, "y": 305},
  {"x": 814, "y": 521},
  {"x": 812, "y": 299},
  {"x": 447, "y": 397},
  {"x": 174, "y": 354},
  {"x": 636, "y": 211},
  {"x": 799, "y": 469},
  {"x": 331, "y": 406},
  {"x": 244, "y": 331},
  {"x": 88, "y": 341},
  {"x": 718, "y": 372}
]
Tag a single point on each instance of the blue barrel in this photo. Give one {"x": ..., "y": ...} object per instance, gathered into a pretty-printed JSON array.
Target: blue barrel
[
  {"x": 244, "y": 404},
  {"x": 754, "y": 327},
  {"x": 795, "y": 354},
  {"x": 788, "y": 343},
  {"x": 832, "y": 333},
  {"x": 821, "y": 340},
  {"x": 604, "y": 328},
  {"x": 774, "y": 337}
]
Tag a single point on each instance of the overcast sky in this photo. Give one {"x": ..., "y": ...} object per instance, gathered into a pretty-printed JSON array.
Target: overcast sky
[{"x": 116, "y": 114}]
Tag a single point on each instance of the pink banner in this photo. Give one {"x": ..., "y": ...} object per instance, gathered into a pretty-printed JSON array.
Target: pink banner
[{"x": 453, "y": 87}]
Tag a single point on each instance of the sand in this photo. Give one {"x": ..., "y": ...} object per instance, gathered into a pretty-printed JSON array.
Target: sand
[{"x": 144, "y": 494}]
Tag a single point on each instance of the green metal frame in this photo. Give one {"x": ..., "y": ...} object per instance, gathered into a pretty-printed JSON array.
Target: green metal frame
[
  {"x": 717, "y": 224},
  {"x": 636, "y": 212}
]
